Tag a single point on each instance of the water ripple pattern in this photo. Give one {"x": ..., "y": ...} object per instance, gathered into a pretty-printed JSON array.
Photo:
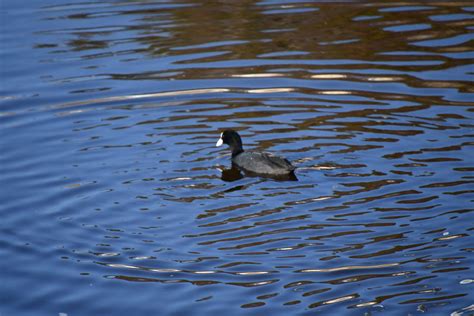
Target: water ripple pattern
[{"x": 115, "y": 200}]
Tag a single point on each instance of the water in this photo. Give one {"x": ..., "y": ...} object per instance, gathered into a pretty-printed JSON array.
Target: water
[{"x": 115, "y": 201}]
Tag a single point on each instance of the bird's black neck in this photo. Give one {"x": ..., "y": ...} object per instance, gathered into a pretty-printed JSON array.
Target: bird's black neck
[{"x": 236, "y": 150}]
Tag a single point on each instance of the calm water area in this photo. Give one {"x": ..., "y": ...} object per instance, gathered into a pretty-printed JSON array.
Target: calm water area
[{"x": 114, "y": 199}]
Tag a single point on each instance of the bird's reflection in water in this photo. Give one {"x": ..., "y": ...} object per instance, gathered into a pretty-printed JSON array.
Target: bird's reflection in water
[
  {"x": 235, "y": 173},
  {"x": 231, "y": 174}
]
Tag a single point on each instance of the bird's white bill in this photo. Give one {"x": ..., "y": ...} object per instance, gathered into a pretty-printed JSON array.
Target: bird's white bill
[{"x": 220, "y": 142}]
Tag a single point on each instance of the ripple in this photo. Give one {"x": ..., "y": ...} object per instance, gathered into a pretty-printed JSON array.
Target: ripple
[
  {"x": 112, "y": 181},
  {"x": 442, "y": 42}
]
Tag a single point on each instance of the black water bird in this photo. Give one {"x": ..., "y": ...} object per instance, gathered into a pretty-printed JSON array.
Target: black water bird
[{"x": 254, "y": 162}]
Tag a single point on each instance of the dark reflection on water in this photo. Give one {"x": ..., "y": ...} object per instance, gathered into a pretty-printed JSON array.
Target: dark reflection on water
[
  {"x": 115, "y": 200},
  {"x": 231, "y": 174}
]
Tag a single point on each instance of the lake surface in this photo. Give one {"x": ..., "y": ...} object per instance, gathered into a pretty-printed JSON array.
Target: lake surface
[{"x": 115, "y": 200}]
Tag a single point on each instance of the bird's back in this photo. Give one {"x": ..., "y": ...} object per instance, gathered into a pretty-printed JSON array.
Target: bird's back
[{"x": 263, "y": 163}]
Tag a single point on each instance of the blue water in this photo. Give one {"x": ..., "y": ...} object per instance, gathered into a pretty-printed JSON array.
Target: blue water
[{"x": 115, "y": 200}]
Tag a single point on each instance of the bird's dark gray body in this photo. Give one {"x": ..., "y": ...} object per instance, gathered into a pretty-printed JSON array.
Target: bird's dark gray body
[
  {"x": 254, "y": 161},
  {"x": 261, "y": 162}
]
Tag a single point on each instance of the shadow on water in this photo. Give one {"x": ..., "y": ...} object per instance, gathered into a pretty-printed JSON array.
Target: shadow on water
[{"x": 231, "y": 174}]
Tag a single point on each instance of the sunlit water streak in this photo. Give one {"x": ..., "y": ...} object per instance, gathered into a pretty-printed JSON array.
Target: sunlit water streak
[{"x": 115, "y": 200}]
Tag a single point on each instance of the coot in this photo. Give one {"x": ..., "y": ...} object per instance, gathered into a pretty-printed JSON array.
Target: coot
[{"x": 256, "y": 162}]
